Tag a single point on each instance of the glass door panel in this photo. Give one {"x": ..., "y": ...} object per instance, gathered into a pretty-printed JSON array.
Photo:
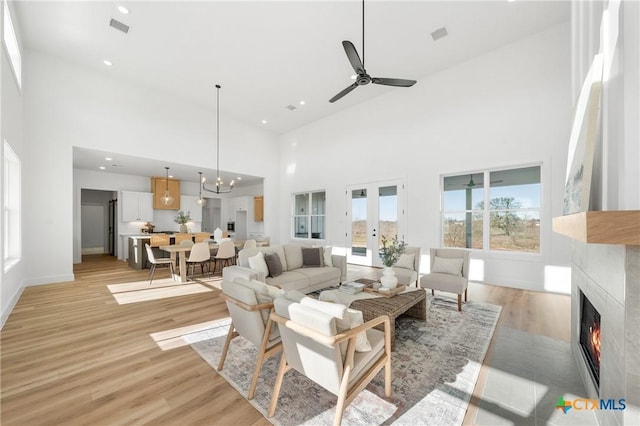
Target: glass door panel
[{"x": 374, "y": 210}]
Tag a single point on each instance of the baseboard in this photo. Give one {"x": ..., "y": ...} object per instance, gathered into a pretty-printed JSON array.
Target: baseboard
[
  {"x": 9, "y": 308},
  {"x": 52, "y": 279},
  {"x": 93, "y": 250}
]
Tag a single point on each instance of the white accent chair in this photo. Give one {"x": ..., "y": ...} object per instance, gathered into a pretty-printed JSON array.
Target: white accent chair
[
  {"x": 447, "y": 274},
  {"x": 250, "y": 319},
  {"x": 199, "y": 255},
  {"x": 405, "y": 275},
  {"x": 313, "y": 347},
  {"x": 155, "y": 262}
]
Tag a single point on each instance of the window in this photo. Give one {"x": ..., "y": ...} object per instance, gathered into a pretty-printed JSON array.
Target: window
[
  {"x": 501, "y": 216},
  {"x": 309, "y": 215},
  {"x": 11, "y": 44},
  {"x": 11, "y": 207}
]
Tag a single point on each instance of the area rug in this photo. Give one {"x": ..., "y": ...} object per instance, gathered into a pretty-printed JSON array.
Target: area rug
[{"x": 435, "y": 365}]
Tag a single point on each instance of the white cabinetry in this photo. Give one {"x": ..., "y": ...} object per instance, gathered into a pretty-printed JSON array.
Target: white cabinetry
[
  {"x": 240, "y": 204},
  {"x": 136, "y": 206},
  {"x": 189, "y": 203}
]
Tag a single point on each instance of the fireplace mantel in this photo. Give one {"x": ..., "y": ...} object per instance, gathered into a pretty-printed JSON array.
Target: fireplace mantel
[{"x": 601, "y": 227}]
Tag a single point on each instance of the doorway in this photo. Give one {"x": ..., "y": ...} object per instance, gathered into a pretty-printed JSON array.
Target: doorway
[
  {"x": 374, "y": 210},
  {"x": 98, "y": 222}
]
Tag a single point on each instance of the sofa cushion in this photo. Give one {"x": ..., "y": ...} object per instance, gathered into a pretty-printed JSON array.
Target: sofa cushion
[
  {"x": 245, "y": 254},
  {"x": 293, "y": 252},
  {"x": 327, "y": 256},
  {"x": 312, "y": 257},
  {"x": 290, "y": 280},
  {"x": 274, "y": 264},
  {"x": 319, "y": 275}
]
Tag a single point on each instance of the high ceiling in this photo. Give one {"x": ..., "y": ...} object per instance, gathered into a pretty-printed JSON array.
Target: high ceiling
[{"x": 268, "y": 55}]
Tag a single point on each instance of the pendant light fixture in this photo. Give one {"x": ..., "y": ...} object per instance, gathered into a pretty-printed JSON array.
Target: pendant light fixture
[
  {"x": 201, "y": 201},
  {"x": 219, "y": 183},
  {"x": 167, "y": 199}
]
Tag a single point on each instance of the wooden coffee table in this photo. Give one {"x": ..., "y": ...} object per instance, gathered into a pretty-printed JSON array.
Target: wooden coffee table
[{"x": 412, "y": 303}]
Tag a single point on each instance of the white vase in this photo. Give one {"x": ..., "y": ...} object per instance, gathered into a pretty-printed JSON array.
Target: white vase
[
  {"x": 388, "y": 278},
  {"x": 183, "y": 228}
]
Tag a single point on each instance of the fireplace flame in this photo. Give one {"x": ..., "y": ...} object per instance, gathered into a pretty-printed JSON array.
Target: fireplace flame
[{"x": 594, "y": 338}]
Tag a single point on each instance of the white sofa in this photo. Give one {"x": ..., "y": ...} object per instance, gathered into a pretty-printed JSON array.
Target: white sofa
[{"x": 294, "y": 275}]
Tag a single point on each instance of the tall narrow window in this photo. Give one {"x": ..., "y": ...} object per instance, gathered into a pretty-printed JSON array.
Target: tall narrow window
[
  {"x": 503, "y": 215},
  {"x": 11, "y": 207},
  {"x": 11, "y": 44},
  {"x": 309, "y": 211}
]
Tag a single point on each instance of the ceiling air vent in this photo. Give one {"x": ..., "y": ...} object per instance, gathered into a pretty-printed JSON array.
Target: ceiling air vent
[
  {"x": 119, "y": 26},
  {"x": 290, "y": 107},
  {"x": 439, "y": 33}
]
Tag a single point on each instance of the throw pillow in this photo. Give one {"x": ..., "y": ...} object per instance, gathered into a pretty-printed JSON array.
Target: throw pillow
[
  {"x": 345, "y": 319},
  {"x": 257, "y": 262},
  {"x": 312, "y": 257},
  {"x": 328, "y": 251},
  {"x": 406, "y": 261},
  {"x": 273, "y": 264},
  {"x": 445, "y": 265}
]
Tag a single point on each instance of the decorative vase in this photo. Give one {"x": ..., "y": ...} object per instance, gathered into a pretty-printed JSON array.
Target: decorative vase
[
  {"x": 388, "y": 278},
  {"x": 183, "y": 228}
]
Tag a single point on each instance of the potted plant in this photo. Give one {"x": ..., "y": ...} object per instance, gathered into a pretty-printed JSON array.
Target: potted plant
[
  {"x": 182, "y": 218},
  {"x": 389, "y": 254}
]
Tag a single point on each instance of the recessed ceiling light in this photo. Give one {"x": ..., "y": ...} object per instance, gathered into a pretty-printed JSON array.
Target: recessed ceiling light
[
  {"x": 353, "y": 77},
  {"x": 107, "y": 63},
  {"x": 239, "y": 178},
  {"x": 302, "y": 102},
  {"x": 108, "y": 158},
  {"x": 123, "y": 10},
  {"x": 264, "y": 121},
  {"x": 170, "y": 176},
  {"x": 103, "y": 168}
]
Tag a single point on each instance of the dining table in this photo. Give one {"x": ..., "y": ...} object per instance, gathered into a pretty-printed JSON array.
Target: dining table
[{"x": 180, "y": 253}]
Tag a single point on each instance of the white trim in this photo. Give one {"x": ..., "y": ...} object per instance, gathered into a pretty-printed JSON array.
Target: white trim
[
  {"x": 51, "y": 279},
  {"x": 12, "y": 304}
]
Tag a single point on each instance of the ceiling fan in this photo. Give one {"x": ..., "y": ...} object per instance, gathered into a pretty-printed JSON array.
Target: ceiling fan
[{"x": 362, "y": 78}]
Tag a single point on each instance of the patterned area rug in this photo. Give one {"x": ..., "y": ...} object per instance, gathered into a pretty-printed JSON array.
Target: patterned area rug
[{"x": 435, "y": 365}]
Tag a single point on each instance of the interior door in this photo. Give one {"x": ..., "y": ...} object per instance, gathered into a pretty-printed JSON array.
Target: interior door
[{"x": 374, "y": 210}]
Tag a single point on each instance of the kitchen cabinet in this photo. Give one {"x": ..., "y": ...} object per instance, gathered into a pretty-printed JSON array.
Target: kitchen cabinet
[
  {"x": 190, "y": 204},
  {"x": 136, "y": 206},
  {"x": 258, "y": 209},
  {"x": 158, "y": 186},
  {"x": 240, "y": 204}
]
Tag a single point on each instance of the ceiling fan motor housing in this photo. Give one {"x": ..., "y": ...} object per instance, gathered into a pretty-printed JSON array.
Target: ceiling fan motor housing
[{"x": 363, "y": 79}]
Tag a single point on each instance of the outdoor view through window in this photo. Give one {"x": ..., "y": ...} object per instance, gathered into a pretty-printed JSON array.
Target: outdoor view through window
[{"x": 503, "y": 215}]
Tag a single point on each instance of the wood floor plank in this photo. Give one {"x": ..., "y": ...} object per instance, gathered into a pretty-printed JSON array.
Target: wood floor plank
[{"x": 72, "y": 355}]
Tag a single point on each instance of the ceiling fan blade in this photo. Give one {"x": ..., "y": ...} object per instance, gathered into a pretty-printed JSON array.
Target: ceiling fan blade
[
  {"x": 344, "y": 92},
  {"x": 353, "y": 56},
  {"x": 393, "y": 82}
]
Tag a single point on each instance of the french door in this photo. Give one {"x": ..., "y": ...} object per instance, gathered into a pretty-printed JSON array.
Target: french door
[{"x": 374, "y": 210}]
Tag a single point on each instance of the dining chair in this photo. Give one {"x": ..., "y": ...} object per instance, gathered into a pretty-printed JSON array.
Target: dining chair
[
  {"x": 199, "y": 255},
  {"x": 158, "y": 240},
  {"x": 155, "y": 262},
  {"x": 250, "y": 244},
  {"x": 225, "y": 255}
]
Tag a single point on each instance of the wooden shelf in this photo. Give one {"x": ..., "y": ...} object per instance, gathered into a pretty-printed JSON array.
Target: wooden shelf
[{"x": 601, "y": 227}]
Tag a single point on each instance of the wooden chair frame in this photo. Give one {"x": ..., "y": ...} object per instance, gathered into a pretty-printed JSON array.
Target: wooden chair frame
[
  {"x": 346, "y": 394},
  {"x": 263, "y": 352}
]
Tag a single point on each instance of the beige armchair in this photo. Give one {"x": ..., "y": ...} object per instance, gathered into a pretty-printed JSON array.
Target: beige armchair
[
  {"x": 249, "y": 305},
  {"x": 313, "y": 347},
  {"x": 407, "y": 270},
  {"x": 449, "y": 272}
]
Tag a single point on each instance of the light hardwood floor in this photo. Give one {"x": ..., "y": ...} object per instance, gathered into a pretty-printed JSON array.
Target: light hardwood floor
[{"x": 70, "y": 354}]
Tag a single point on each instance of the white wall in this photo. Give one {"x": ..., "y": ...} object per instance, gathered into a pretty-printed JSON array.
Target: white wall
[
  {"x": 11, "y": 119},
  {"x": 505, "y": 108},
  {"x": 68, "y": 106}
]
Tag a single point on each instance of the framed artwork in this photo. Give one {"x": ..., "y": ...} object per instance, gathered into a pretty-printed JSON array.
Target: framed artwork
[{"x": 582, "y": 141}]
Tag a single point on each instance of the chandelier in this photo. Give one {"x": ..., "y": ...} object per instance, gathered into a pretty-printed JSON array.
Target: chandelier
[
  {"x": 219, "y": 189},
  {"x": 167, "y": 199}
]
